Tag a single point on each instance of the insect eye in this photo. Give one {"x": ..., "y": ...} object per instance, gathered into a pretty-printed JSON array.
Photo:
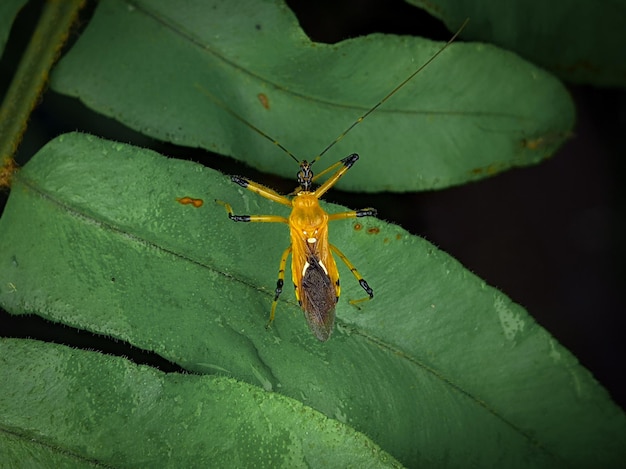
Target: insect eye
[{"x": 304, "y": 180}]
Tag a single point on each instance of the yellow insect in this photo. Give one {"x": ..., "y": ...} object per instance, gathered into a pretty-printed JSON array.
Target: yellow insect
[{"x": 313, "y": 268}]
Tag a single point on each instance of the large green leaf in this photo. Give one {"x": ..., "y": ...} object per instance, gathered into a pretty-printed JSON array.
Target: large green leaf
[
  {"x": 8, "y": 12},
  {"x": 580, "y": 40},
  {"x": 80, "y": 408},
  {"x": 474, "y": 111},
  {"x": 439, "y": 369}
]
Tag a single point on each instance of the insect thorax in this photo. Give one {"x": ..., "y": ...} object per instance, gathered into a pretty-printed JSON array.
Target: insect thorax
[{"x": 307, "y": 217}]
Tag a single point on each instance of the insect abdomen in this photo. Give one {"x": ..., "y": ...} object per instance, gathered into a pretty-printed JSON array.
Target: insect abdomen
[{"x": 318, "y": 296}]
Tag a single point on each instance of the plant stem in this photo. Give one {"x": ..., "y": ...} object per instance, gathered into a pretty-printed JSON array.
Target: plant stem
[{"x": 31, "y": 77}]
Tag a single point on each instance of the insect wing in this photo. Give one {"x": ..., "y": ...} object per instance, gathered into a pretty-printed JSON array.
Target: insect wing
[{"x": 318, "y": 297}]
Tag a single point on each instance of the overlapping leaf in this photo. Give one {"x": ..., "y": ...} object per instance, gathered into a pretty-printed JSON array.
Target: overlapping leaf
[
  {"x": 73, "y": 408},
  {"x": 475, "y": 111},
  {"x": 8, "y": 11},
  {"x": 579, "y": 40}
]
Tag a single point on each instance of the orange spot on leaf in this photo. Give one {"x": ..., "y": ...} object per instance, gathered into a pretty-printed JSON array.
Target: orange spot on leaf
[
  {"x": 545, "y": 141},
  {"x": 190, "y": 201},
  {"x": 265, "y": 102},
  {"x": 489, "y": 170}
]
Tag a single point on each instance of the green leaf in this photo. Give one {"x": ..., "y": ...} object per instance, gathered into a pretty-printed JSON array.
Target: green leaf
[
  {"x": 579, "y": 40},
  {"x": 475, "y": 111},
  {"x": 439, "y": 369},
  {"x": 8, "y": 11},
  {"x": 86, "y": 407}
]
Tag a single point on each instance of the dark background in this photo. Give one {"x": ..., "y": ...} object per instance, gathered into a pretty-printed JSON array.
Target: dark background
[{"x": 549, "y": 236}]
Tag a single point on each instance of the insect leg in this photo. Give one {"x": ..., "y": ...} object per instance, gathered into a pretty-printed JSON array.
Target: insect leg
[
  {"x": 345, "y": 164},
  {"x": 252, "y": 218},
  {"x": 279, "y": 283},
  {"x": 364, "y": 212},
  {"x": 263, "y": 191},
  {"x": 356, "y": 274},
  {"x": 328, "y": 170}
]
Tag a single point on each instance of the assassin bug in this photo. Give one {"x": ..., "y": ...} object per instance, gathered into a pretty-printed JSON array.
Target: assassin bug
[{"x": 313, "y": 268}]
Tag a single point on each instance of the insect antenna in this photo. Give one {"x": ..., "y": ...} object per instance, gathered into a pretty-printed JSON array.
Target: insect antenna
[
  {"x": 389, "y": 95},
  {"x": 241, "y": 119}
]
